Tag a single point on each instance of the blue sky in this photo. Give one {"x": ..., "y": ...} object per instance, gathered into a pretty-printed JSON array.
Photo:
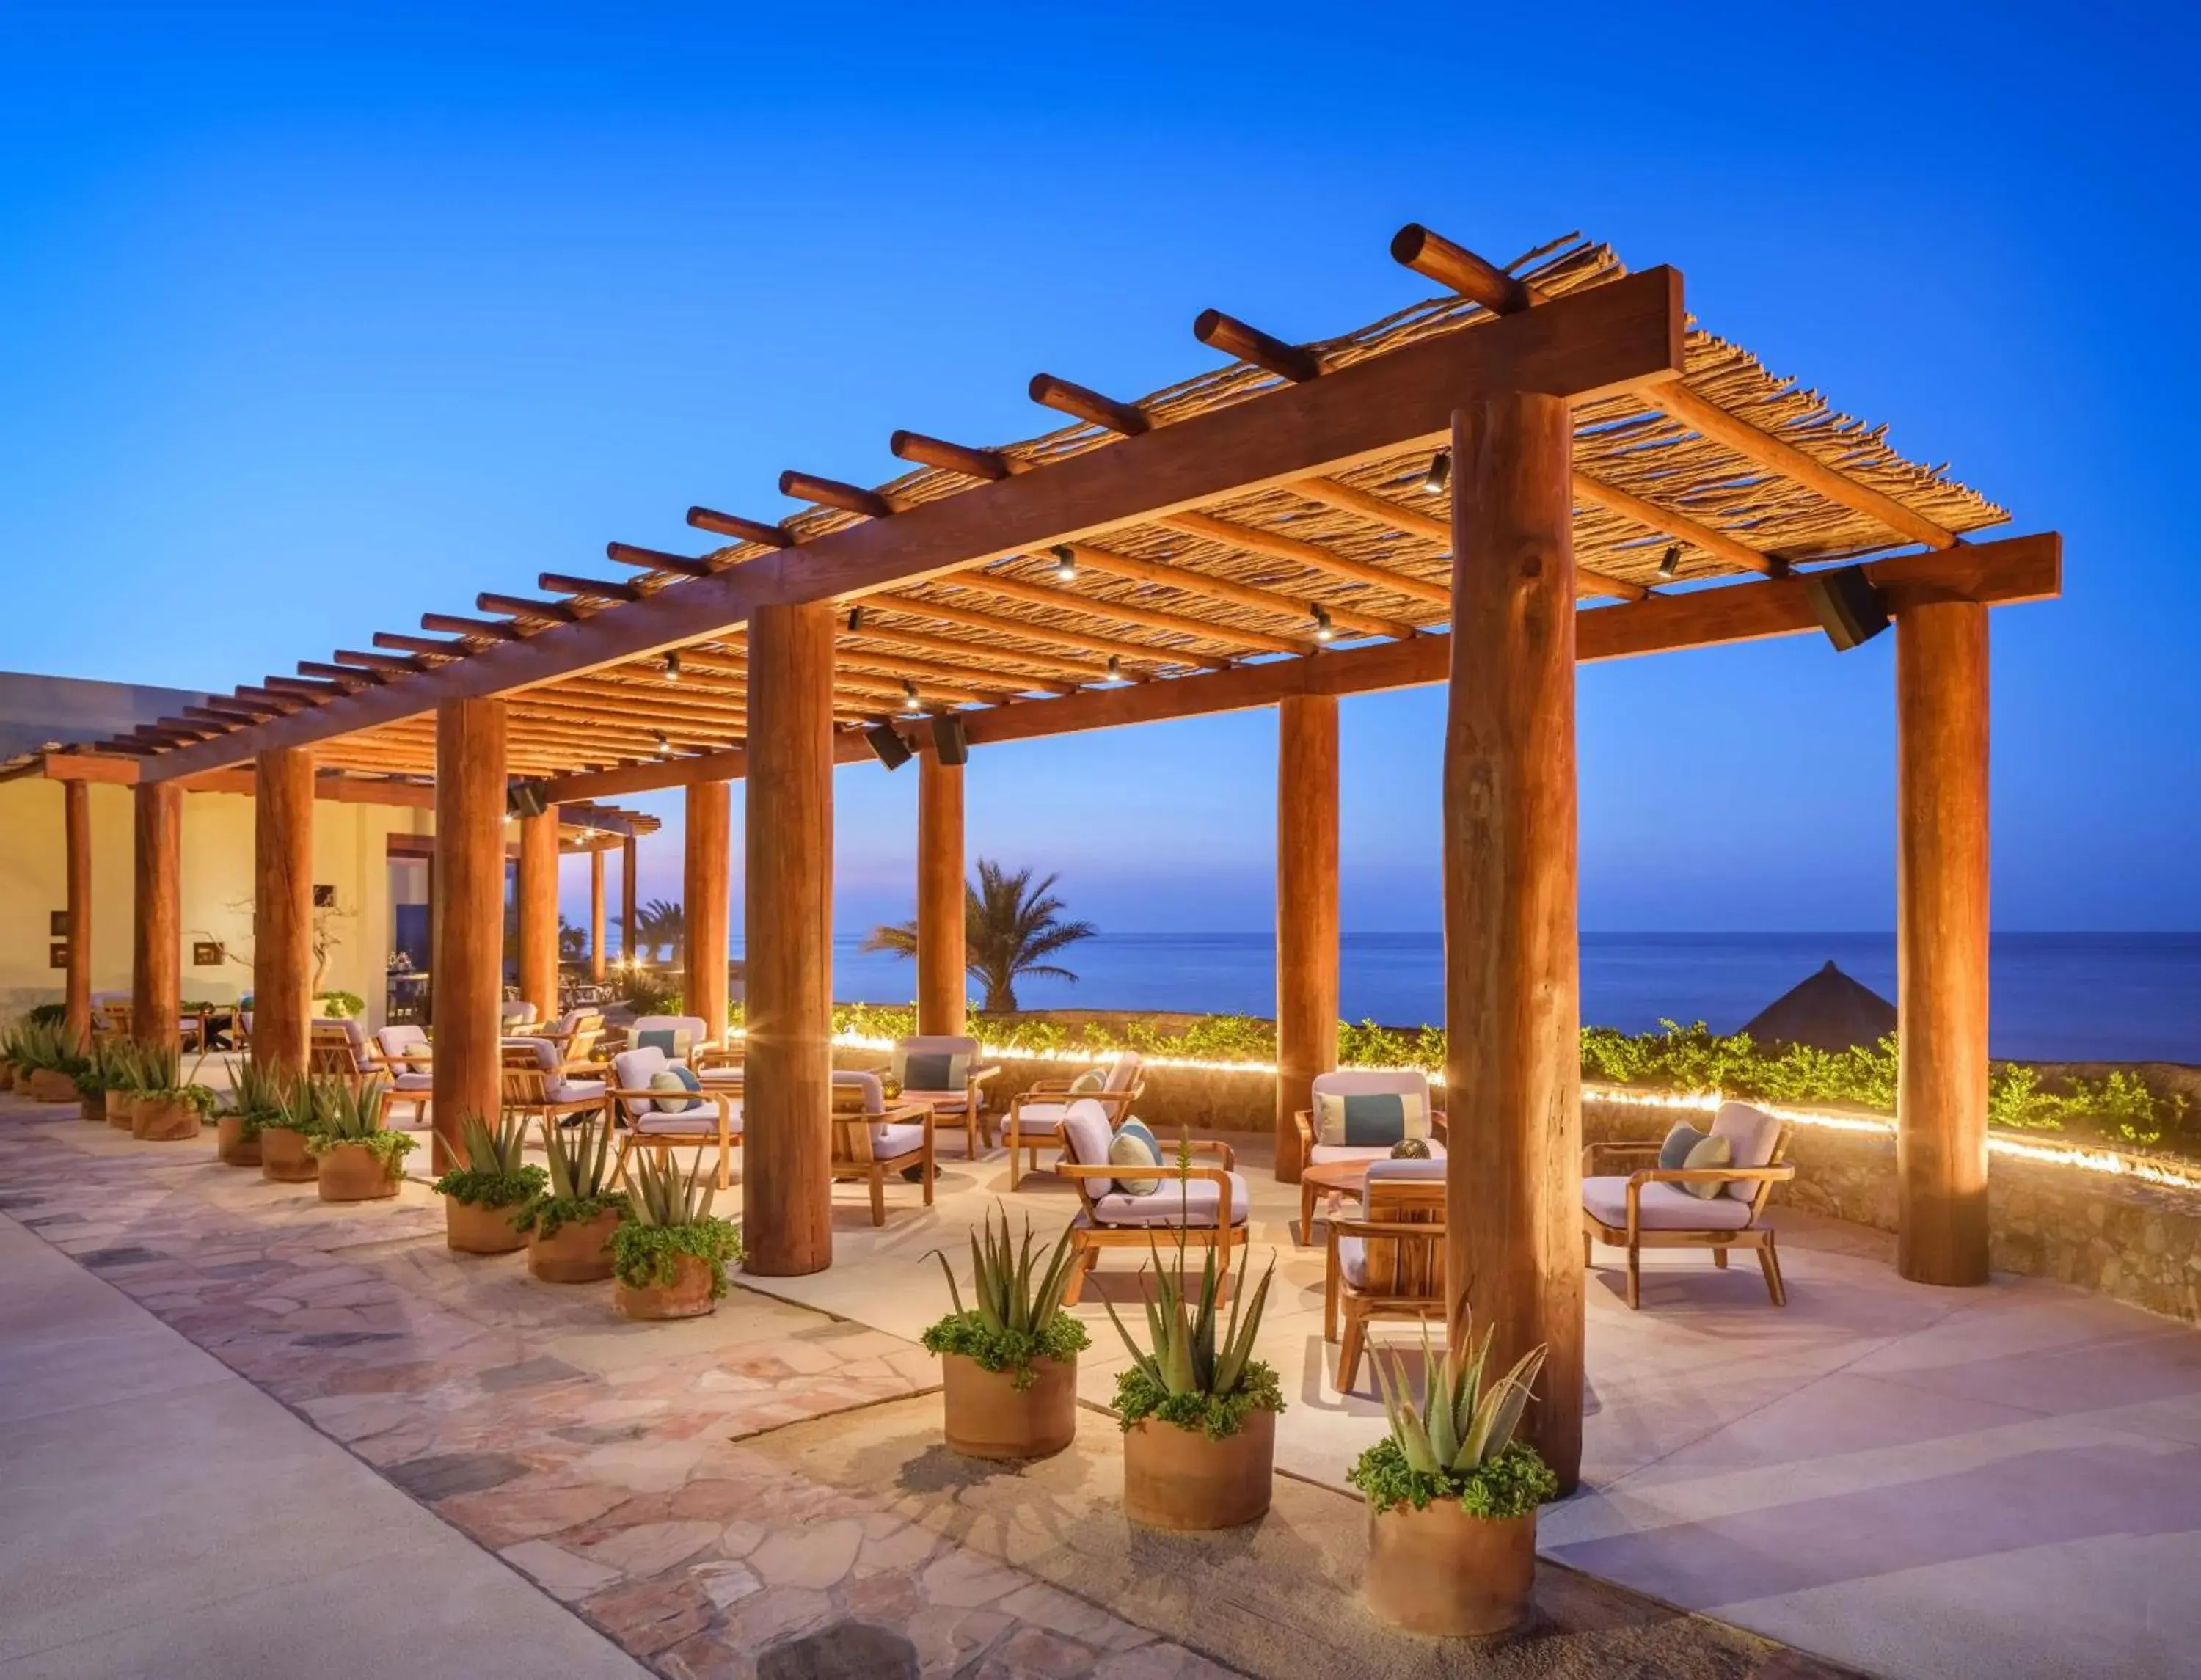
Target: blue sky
[{"x": 320, "y": 317}]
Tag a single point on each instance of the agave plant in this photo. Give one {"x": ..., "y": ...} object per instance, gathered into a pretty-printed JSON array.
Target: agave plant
[
  {"x": 345, "y": 1112},
  {"x": 670, "y": 1216},
  {"x": 1459, "y": 1441},
  {"x": 659, "y": 1196},
  {"x": 109, "y": 1065},
  {"x": 1194, "y": 1371},
  {"x": 38, "y": 1046},
  {"x": 493, "y": 1170},
  {"x": 159, "y": 1070},
  {"x": 261, "y": 1092},
  {"x": 579, "y": 1163},
  {"x": 1016, "y": 1313}
]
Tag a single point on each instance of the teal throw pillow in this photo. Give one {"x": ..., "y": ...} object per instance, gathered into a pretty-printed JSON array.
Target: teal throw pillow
[
  {"x": 659, "y": 1038},
  {"x": 1369, "y": 1120},
  {"x": 1674, "y": 1151}
]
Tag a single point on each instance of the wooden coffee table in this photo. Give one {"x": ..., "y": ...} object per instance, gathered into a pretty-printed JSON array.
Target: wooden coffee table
[{"x": 1330, "y": 1179}]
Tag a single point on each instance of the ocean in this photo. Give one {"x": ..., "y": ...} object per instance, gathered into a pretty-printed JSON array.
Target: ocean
[{"x": 2055, "y": 996}]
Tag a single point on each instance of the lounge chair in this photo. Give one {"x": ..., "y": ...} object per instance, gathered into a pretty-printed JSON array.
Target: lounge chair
[
  {"x": 1206, "y": 1200},
  {"x": 685, "y": 1038},
  {"x": 341, "y": 1047},
  {"x": 535, "y": 1081},
  {"x": 1341, "y": 1082},
  {"x": 942, "y": 1071},
  {"x": 575, "y": 1033},
  {"x": 517, "y": 1017},
  {"x": 867, "y": 1146},
  {"x": 1388, "y": 1260},
  {"x": 403, "y": 1050},
  {"x": 1036, "y": 1113},
  {"x": 651, "y": 1118},
  {"x": 1648, "y": 1207}
]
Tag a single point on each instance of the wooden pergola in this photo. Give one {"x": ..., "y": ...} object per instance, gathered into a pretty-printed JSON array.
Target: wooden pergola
[{"x": 1545, "y": 463}]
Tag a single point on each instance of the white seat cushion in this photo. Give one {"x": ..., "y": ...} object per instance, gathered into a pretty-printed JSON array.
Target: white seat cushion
[
  {"x": 702, "y": 1121},
  {"x": 1324, "y": 1153},
  {"x": 1041, "y": 1116},
  {"x": 889, "y": 1140},
  {"x": 1662, "y": 1206},
  {"x": 413, "y": 1082},
  {"x": 1353, "y": 1261},
  {"x": 1188, "y": 1201},
  {"x": 573, "y": 1090}
]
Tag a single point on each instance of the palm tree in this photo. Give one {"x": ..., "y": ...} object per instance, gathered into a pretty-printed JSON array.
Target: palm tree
[
  {"x": 1009, "y": 928},
  {"x": 660, "y": 924}
]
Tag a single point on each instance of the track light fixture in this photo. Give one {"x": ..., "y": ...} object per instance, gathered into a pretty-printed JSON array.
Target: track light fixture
[
  {"x": 1065, "y": 563},
  {"x": 855, "y": 619},
  {"x": 1323, "y": 629},
  {"x": 1669, "y": 563},
  {"x": 1439, "y": 472},
  {"x": 664, "y": 745},
  {"x": 912, "y": 707},
  {"x": 672, "y": 666}
]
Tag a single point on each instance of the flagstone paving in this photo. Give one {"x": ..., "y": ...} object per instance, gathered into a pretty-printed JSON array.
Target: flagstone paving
[{"x": 678, "y": 1485}]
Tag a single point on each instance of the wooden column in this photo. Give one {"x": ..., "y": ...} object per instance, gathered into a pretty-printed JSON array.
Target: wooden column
[
  {"x": 630, "y": 912},
  {"x": 942, "y": 984},
  {"x": 537, "y": 897},
  {"x": 1513, "y": 1204},
  {"x": 156, "y": 957},
  {"x": 707, "y": 889},
  {"x": 1306, "y": 912},
  {"x": 786, "y": 1186},
  {"x": 76, "y": 985},
  {"x": 282, "y": 908},
  {"x": 1941, "y": 942},
  {"x": 596, "y": 915},
  {"x": 468, "y": 970}
]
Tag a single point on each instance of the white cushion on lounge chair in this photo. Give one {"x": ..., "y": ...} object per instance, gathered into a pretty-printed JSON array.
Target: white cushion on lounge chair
[
  {"x": 413, "y": 1082},
  {"x": 1322, "y": 1153},
  {"x": 397, "y": 1042},
  {"x": 633, "y": 1070},
  {"x": 573, "y": 1090},
  {"x": 1086, "y": 1135},
  {"x": 1661, "y": 1207},
  {"x": 1186, "y": 1201},
  {"x": 875, "y": 1093},
  {"x": 1124, "y": 1072},
  {"x": 1752, "y": 1135},
  {"x": 701, "y": 1120},
  {"x": 1353, "y": 1261},
  {"x": 516, "y": 1011},
  {"x": 1042, "y": 1116},
  {"x": 889, "y": 1140}
]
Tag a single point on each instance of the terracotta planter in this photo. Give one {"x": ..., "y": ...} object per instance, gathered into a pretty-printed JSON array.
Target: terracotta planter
[
  {"x": 283, "y": 1157},
  {"x": 123, "y": 1110},
  {"x": 1177, "y": 1478},
  {"x": 51, "y": 1085},
  {"x": 1440, "y": 1570},
  {"x": 163, "y": 1119},
  {"x": 989, "y": 1418},
  {"x": 92, "y": 1105},
  {"x": 471, "y": 1229},
  {"x": 354, "y": 1172},
  {"x": 230, "y": 1145},
  {"x": 687, "y": 1296},
  {"x": 579, "y": 1254}
]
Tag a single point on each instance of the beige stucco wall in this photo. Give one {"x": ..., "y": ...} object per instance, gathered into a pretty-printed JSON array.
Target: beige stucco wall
[{"x": 350, "y": 853}]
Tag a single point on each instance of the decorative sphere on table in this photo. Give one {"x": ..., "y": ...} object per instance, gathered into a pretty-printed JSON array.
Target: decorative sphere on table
[{"x": 1410, "y": 1148}]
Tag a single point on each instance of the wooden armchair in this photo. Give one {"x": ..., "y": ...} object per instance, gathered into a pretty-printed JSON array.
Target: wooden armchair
[
  {"x": 1206, "y": 1202},
  {"x": 708, "y": 1116},
  {"x": 1036, "y": 1113},
  {"x": 408, "y": 1061},
  {"x": 942, "y": 1071},
  {"x": 534, "y": 1083},
  {"x": 575, "y": 1035},
  {"x": 1388, "y": 1262},
  {"x": 867, "y": 1145},
  {"x": 1648, "y": 1207},
  {"x": 1405, "y": 1083}
]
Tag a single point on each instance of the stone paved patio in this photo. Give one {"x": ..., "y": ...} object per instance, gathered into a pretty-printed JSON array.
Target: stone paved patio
[{"x": 651, "y": 1477}]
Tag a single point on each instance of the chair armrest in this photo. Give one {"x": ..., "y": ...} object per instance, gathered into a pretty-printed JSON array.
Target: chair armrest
[
  {"x": 1042, "y": 1087},
  {"x": 1710, "y": 1175},
  {"x": 1594, "y": 1153},
  {"x": 1439, "y": 1125},
  {"x": 1304, "y": 1120},
  {"x": 1388, "y": 1228}
]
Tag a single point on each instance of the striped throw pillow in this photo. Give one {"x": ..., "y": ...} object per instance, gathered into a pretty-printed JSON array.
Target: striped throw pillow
[{"x": 1369, "y": 1120}]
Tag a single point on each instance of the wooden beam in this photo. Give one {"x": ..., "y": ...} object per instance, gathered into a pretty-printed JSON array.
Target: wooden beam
[
  {"x": 1377, "y": 509},
  {"x": 349, "y": 676},
  {"x": 786, "y": 1151},
  {"x": 1309, "y": 554},
  {"x": 1235, "y": 337},
  {"x": 428, "y": 647},
  {"x": 1054, "y": 665},
  {"x": 600, "y": 588},
  {"x": 1941, "y": 942},
  {"x": 386, "y": 662},
  {"x": 832, "y": 493},
  {"x": 1435, "y": 257},
  {"x": 1209, "y": 587},
  {"x": 1612, "y": 337},
  {"x": 733, "y": 525},
  {"x": 2010, "y": 571},
  {"x": 1512, "y": 1009},
  {"x": 656, "y": 559},
  {"x": 1084, "y": 641},
  {"x": 1306, "y": 913},
  {"x": 496, "y": 629},
  {"x": 1125, "y": 612},
  {"x": 985, "y": 465},
  {"x": 1678, "y": 402},
  {"x": 526, "y": 606},
  {"x": 282, "y": 908},
  {"x": 1667, "y": 522},
  {"x": 1089, "y": 406}
]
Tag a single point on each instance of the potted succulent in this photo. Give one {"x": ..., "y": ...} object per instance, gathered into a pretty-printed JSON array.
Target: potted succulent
[
  {"x": 257, "y": 1101},
  {"x": 1453, "y": 1497},
  {"x": 669, "y": 1255},
  {"x": 569, "y": 1223},
  {"x": 297, "y": 1102},
  {"x": 126, "y": 1083},
  {"x": 481, "y": 1197},
  {"x": 46, "y": 1061},
  {"x": 1198, "y": 1410},
  {"x": 108, "y": 1067},
  {"x": 357, "y": 1161},
  {"x": 1009, "y": 1362},
  {"x": 172, "y": 1105}
]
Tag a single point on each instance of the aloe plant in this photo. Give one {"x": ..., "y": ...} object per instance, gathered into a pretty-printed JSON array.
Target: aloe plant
[
  {"x": 669, "y": 1216},
  {"x": 579, "y": 1164},
  {"x": 260, "y": 1096},
  {"x": 1460, "y": 1442},
  {"x": 1016, "y": 1313},
  {"x": 43, "y": 1047},
  {"x": 345, "y": 1115},
  {"x": 1195, "y": 1373}
]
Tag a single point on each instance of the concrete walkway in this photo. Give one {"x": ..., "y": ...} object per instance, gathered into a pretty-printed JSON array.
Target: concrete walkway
[{"x": 159, "y": 1515}]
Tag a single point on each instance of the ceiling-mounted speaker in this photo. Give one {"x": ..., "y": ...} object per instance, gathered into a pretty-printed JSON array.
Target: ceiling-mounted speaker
[
  {"x": 888, "y": 746},
  {"x": 526, "y": 800},
  {"x": 1849, "y": 608},
  {"x": 950, "y": 744}
]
